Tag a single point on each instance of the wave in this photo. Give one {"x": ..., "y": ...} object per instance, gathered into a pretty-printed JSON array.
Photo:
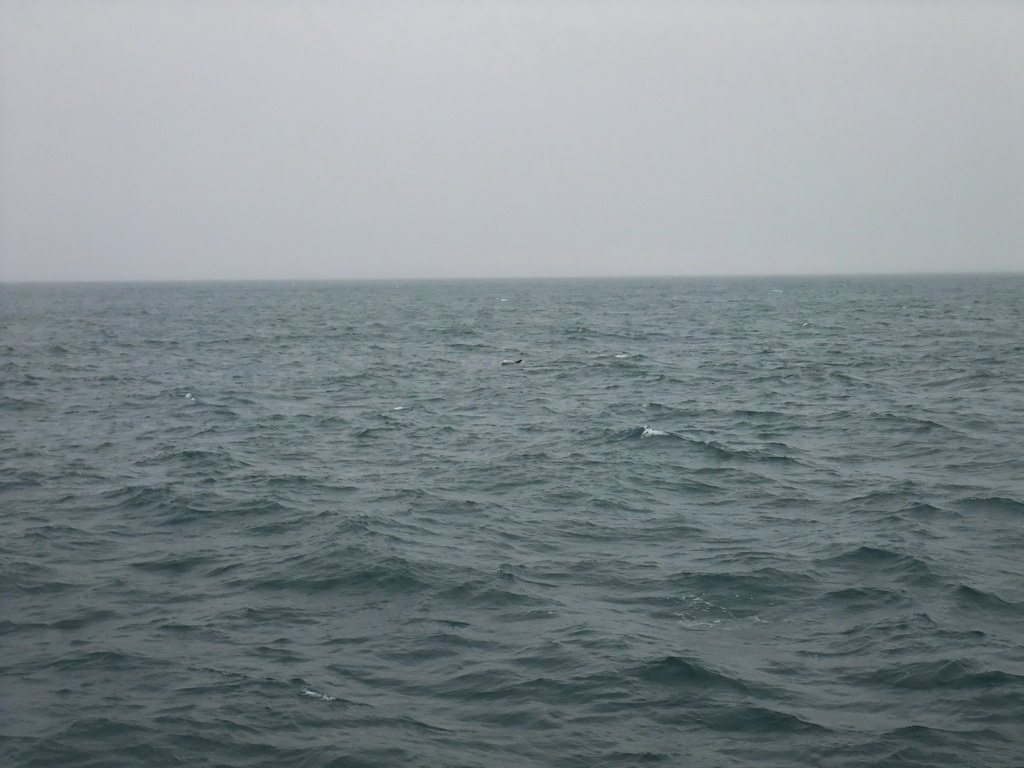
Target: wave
[
  {"x": 317, "y": 695},
  {"x": 174, "y": 564},
  {"x": 970, "y": 598},
  {"x": 991, "y": 504},
  {"x": 751, "y": 720},
  {"x": 769, "y": 452},
  {"x": 678, "y": 672},
  {"x": 490, "y": 596},
  {"x": 19, "y": 404},
  {"x": 859, "y": 599},
  {"x": 881, "y": 562},
  {"x": 22, "y": 479},
  {"x": 944, "y": 675},
  {"x": 174, "y": 504},
  {"x": 206, "y": 461}
]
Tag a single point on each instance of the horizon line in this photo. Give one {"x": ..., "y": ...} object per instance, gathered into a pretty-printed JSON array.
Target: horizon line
[{"x": 497, "y": 278}]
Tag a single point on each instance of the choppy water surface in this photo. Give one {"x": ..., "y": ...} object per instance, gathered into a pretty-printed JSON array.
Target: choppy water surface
[{"x": 707, "y": 522}]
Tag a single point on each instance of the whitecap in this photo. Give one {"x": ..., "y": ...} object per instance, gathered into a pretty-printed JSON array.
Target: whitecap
[
  {"x": 398, "y": 408},
  {"x": 698, "y": 625},
  {"x": 317, "y": 695},
  {"x": 648, "y": 432}
]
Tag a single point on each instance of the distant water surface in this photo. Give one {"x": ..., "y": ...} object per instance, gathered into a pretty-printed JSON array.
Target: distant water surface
[{"x": 703, "y": 522}]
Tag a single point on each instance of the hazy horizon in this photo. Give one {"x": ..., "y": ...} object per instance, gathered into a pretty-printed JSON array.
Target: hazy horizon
[
  {"x": 163, "y": 141},
  {"x": 780, "y": 276}
]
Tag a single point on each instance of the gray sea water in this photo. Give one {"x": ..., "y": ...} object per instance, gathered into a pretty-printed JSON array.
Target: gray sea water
[{"x": 758, "y": 522}]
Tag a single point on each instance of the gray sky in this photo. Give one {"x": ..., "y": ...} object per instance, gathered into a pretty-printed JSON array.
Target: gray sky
[{"x": 382, "y": 138}]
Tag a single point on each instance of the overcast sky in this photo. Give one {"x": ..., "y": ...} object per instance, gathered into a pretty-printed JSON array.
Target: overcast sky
[{"x": 379, "y": 138}]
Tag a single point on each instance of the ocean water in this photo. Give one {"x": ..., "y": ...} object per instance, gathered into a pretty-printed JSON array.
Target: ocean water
[{"x": 703, "y": 522}]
